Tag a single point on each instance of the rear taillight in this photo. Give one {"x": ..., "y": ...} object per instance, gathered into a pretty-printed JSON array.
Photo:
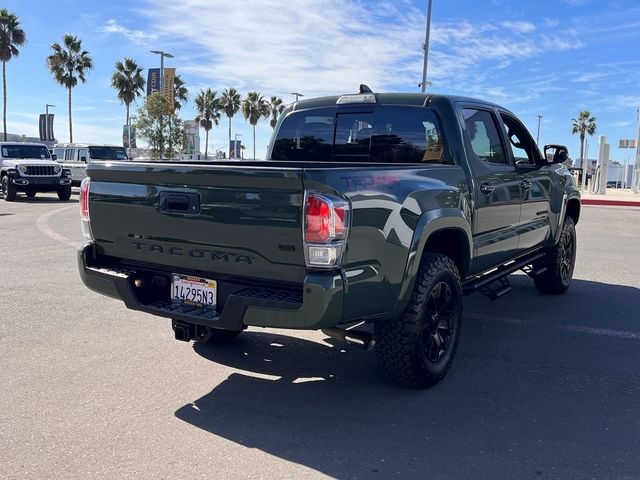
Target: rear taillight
[
  {"x": 85, "y": 221},
  {"x": 326, "y": 223}
]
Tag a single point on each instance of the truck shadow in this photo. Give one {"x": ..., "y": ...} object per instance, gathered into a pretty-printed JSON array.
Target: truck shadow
[{"x": 526, "y": 397}]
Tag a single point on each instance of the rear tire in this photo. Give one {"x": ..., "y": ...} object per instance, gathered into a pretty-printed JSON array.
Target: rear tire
[
  {"x": 64, "y": 193},
  {"x": 417, "y": 349},
  {"x": 560, "y": 261},
  {"x": 9, "y": 191}
]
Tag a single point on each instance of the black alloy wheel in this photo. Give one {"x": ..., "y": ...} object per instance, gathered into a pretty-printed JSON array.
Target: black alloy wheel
[{"x": 438, "y": 327}]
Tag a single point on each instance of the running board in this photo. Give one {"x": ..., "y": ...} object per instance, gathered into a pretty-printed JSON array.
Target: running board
[
  {"x": 357, "y": 338},
  {"x": 494, "y": 284}
]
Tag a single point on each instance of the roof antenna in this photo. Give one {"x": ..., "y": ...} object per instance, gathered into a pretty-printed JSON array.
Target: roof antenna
[{"x": 364, "y": 88}]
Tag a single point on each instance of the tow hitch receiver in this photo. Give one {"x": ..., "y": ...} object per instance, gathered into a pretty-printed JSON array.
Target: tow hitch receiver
[{"x": 184, "y": 332}]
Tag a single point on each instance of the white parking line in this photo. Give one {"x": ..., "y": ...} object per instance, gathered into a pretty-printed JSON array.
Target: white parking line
[
  {"x": 43, "y": 225},
  {"x": 603, "y": 332}
]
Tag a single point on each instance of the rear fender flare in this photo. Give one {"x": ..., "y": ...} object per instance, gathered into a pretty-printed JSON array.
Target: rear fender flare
[{"x": 428, "y": 224}]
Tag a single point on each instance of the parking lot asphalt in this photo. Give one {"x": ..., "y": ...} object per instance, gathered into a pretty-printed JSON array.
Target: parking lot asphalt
[{"x": 542, "y": 387}]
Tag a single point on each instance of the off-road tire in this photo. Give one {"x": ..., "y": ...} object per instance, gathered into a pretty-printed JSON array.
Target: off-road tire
[
  {"x": 8, "y": 190},
  {"x": 215, "y": 335},
  {"x": 64, "y": 193},
  {"x": 405, "y": 346},
  {"x": 560, "y": 261}
]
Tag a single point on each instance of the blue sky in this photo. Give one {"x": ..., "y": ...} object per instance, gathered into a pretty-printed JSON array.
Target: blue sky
[{"x": 550, "y": 58}]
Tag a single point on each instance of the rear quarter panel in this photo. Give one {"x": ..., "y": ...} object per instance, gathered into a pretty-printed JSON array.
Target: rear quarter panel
[{"x": 389, "y": 207}]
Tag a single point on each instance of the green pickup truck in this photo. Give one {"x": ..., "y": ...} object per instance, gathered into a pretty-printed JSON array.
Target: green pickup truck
[{"x": 374, "y": 214}]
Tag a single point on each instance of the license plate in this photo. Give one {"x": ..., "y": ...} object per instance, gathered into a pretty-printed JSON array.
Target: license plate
[{"x": 193, "y": 290}]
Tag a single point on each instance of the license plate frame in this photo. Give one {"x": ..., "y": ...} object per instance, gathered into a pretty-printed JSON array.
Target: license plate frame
[{"x": 195, "y": 291}]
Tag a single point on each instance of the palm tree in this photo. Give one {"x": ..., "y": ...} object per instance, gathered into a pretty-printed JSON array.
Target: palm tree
[
  {"x": 180, "y": 93},
  {"x": 230, "y": 104},
  {"x": 255, "y": 107},
  {"x": 128, "y": 81},
  {"x": 68, "y": 65},
  {"x": 11, "y": 37},
  {"x": 208, "y": 108},
  {"x": 276, "y": 106},
  {"x": 583, "y": 125}
]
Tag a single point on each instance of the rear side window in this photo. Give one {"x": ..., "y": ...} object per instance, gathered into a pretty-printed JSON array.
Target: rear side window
[
  {"x": 387, "y": 135},
  {"x": 482, "y": 133}
]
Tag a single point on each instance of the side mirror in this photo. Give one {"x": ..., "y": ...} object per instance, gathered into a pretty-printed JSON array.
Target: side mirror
[
  {"x": 556, "y": 153},
  {"x": 83, "y": 159},
  {"x": 54, "y": 156}
]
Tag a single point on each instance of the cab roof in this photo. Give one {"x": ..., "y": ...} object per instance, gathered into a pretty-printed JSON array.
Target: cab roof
[{"x": 412, "y": 99}]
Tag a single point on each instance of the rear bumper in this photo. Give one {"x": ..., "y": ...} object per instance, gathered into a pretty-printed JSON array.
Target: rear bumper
[{"x": 319, "y": 305}]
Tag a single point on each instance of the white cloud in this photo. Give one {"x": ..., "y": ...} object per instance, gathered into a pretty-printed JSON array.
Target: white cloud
[
  {"x": 520, "y": 27},
  {"x": 322, "y": 46},
  {"x": 137, "y": 36}
]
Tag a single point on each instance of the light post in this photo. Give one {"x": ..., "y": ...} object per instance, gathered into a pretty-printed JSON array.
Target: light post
[
  {"x": 46, "y": 121},
  {"x": 162, "y": 54},
  {"x": 635, "y": 186},
  {"x": 297, "y": 95},
  {"x": 425, "y": 46},
  {"x": 538, "y": 135},
  {"x": 131, "y": 119}
]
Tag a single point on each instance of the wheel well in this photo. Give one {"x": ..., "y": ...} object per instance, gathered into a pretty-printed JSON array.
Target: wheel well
[
  {"x": 452, "y": 243},
  {"x": 573, "y": 210}
]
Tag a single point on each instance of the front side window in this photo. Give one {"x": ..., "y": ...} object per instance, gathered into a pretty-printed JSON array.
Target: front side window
[
  {"x": 482, "y": 134},
  {"x": 83, "y": 152},
  {"x": 521, "y": 143},
  {"x": 25, "y": 151},
  {"x": 389, "y": 134}
]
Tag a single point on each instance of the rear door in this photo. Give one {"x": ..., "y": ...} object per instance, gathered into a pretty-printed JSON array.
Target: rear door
[
  {"x": 496, "y": 188},
  {"x": 223, "y": 221}
]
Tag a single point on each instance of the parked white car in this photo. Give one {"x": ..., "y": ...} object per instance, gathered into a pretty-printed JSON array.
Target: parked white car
[{"x": 76, "y": 157}]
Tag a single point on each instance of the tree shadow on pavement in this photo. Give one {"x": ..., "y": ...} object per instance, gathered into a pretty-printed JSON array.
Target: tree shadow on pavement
[{"x": 526, "y": 397}]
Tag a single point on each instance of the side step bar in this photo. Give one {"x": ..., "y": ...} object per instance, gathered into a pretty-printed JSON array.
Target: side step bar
[
  {"x": 494, "y": 284},
  {"x": 357, "y": 338}
]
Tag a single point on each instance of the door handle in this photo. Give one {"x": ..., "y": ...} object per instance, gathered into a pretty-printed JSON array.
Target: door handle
[
  {"x": 487, "y": 188},
  {"x": 525, "y": 184}
]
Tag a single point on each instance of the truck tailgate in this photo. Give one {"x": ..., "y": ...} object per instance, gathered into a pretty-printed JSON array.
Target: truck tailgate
[{"x": 235, "y": 221}]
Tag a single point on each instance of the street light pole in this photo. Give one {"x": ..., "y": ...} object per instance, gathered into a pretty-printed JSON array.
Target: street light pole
[
  {"x": 538, "y": 135},
  {"x": 46, "y": 121},
  {"x": 162, "y": 54},
  {"x": 423, "y": 85},
  {"x": 636, "y": 168},
  {"x": 297, "y": 95}
]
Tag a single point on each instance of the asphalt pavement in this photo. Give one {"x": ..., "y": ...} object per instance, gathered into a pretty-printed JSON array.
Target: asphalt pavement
[{"x": 543, "y": 387}]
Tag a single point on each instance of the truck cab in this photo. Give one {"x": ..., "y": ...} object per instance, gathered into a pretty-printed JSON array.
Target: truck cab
[
  {"x": 76, "y": 157},
  {"x": 29, "y": 168}
]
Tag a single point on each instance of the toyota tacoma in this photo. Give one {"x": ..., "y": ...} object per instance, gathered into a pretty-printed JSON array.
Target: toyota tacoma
[{"x": 372, "y": 218}]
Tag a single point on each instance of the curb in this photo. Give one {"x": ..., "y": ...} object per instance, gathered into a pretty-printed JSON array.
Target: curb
[{"x": 610, "y": 203}]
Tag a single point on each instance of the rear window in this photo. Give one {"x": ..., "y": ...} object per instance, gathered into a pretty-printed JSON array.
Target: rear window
[
  {"x": 25, "y": 151},
  {"x": 386, "y": 134},
  {"x": 108, "y": 153}
]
